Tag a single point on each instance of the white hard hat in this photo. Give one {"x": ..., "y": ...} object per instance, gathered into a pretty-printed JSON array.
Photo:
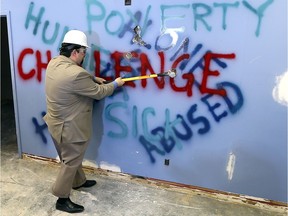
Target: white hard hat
[{"x": 75, "y": 37}]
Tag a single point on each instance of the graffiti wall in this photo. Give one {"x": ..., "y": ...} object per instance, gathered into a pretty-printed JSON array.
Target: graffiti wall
[{"x": 217, "y": 124}]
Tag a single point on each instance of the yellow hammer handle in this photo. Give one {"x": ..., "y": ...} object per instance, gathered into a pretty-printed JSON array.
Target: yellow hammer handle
[{"x": 139, "y": 77}]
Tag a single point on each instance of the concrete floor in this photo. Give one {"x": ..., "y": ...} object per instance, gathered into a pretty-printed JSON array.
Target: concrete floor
[{"x": 25, "y": 190}]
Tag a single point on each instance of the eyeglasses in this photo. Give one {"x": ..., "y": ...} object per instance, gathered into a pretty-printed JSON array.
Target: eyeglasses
[{"x": 83, "y": 50}]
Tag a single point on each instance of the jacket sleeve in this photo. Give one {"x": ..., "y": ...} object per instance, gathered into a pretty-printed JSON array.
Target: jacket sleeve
[{"x": 84, "y": 85}]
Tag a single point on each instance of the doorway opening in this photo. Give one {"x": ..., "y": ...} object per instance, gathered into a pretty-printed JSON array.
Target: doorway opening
[{"x": 8, "y": 123}]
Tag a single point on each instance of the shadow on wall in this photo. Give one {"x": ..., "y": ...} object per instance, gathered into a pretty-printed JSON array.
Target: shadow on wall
[{"x": 98, "y": 130}]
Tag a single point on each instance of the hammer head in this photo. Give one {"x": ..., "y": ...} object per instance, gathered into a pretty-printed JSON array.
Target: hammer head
[{"x": 172, "y": 73}]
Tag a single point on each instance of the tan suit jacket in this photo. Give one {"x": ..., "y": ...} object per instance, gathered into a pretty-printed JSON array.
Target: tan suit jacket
[{"x": 70, "y": 91}]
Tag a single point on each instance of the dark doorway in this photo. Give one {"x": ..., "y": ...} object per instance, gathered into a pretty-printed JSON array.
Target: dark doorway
[{"x": 8, "y": 127}]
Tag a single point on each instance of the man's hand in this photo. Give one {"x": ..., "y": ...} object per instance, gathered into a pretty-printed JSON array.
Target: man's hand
[
  {"x": 119, "y": 81},
  {"x": 99, "y": 80}
]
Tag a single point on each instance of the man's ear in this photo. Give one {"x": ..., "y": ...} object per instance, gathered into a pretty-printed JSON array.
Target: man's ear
[{"x": 73, "y": 53}]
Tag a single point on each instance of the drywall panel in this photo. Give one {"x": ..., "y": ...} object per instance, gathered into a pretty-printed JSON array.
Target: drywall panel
[{"x": 221, "y": 123}]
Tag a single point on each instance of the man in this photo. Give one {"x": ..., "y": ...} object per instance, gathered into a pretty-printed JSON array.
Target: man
[{"x": 70, "y": 91}]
